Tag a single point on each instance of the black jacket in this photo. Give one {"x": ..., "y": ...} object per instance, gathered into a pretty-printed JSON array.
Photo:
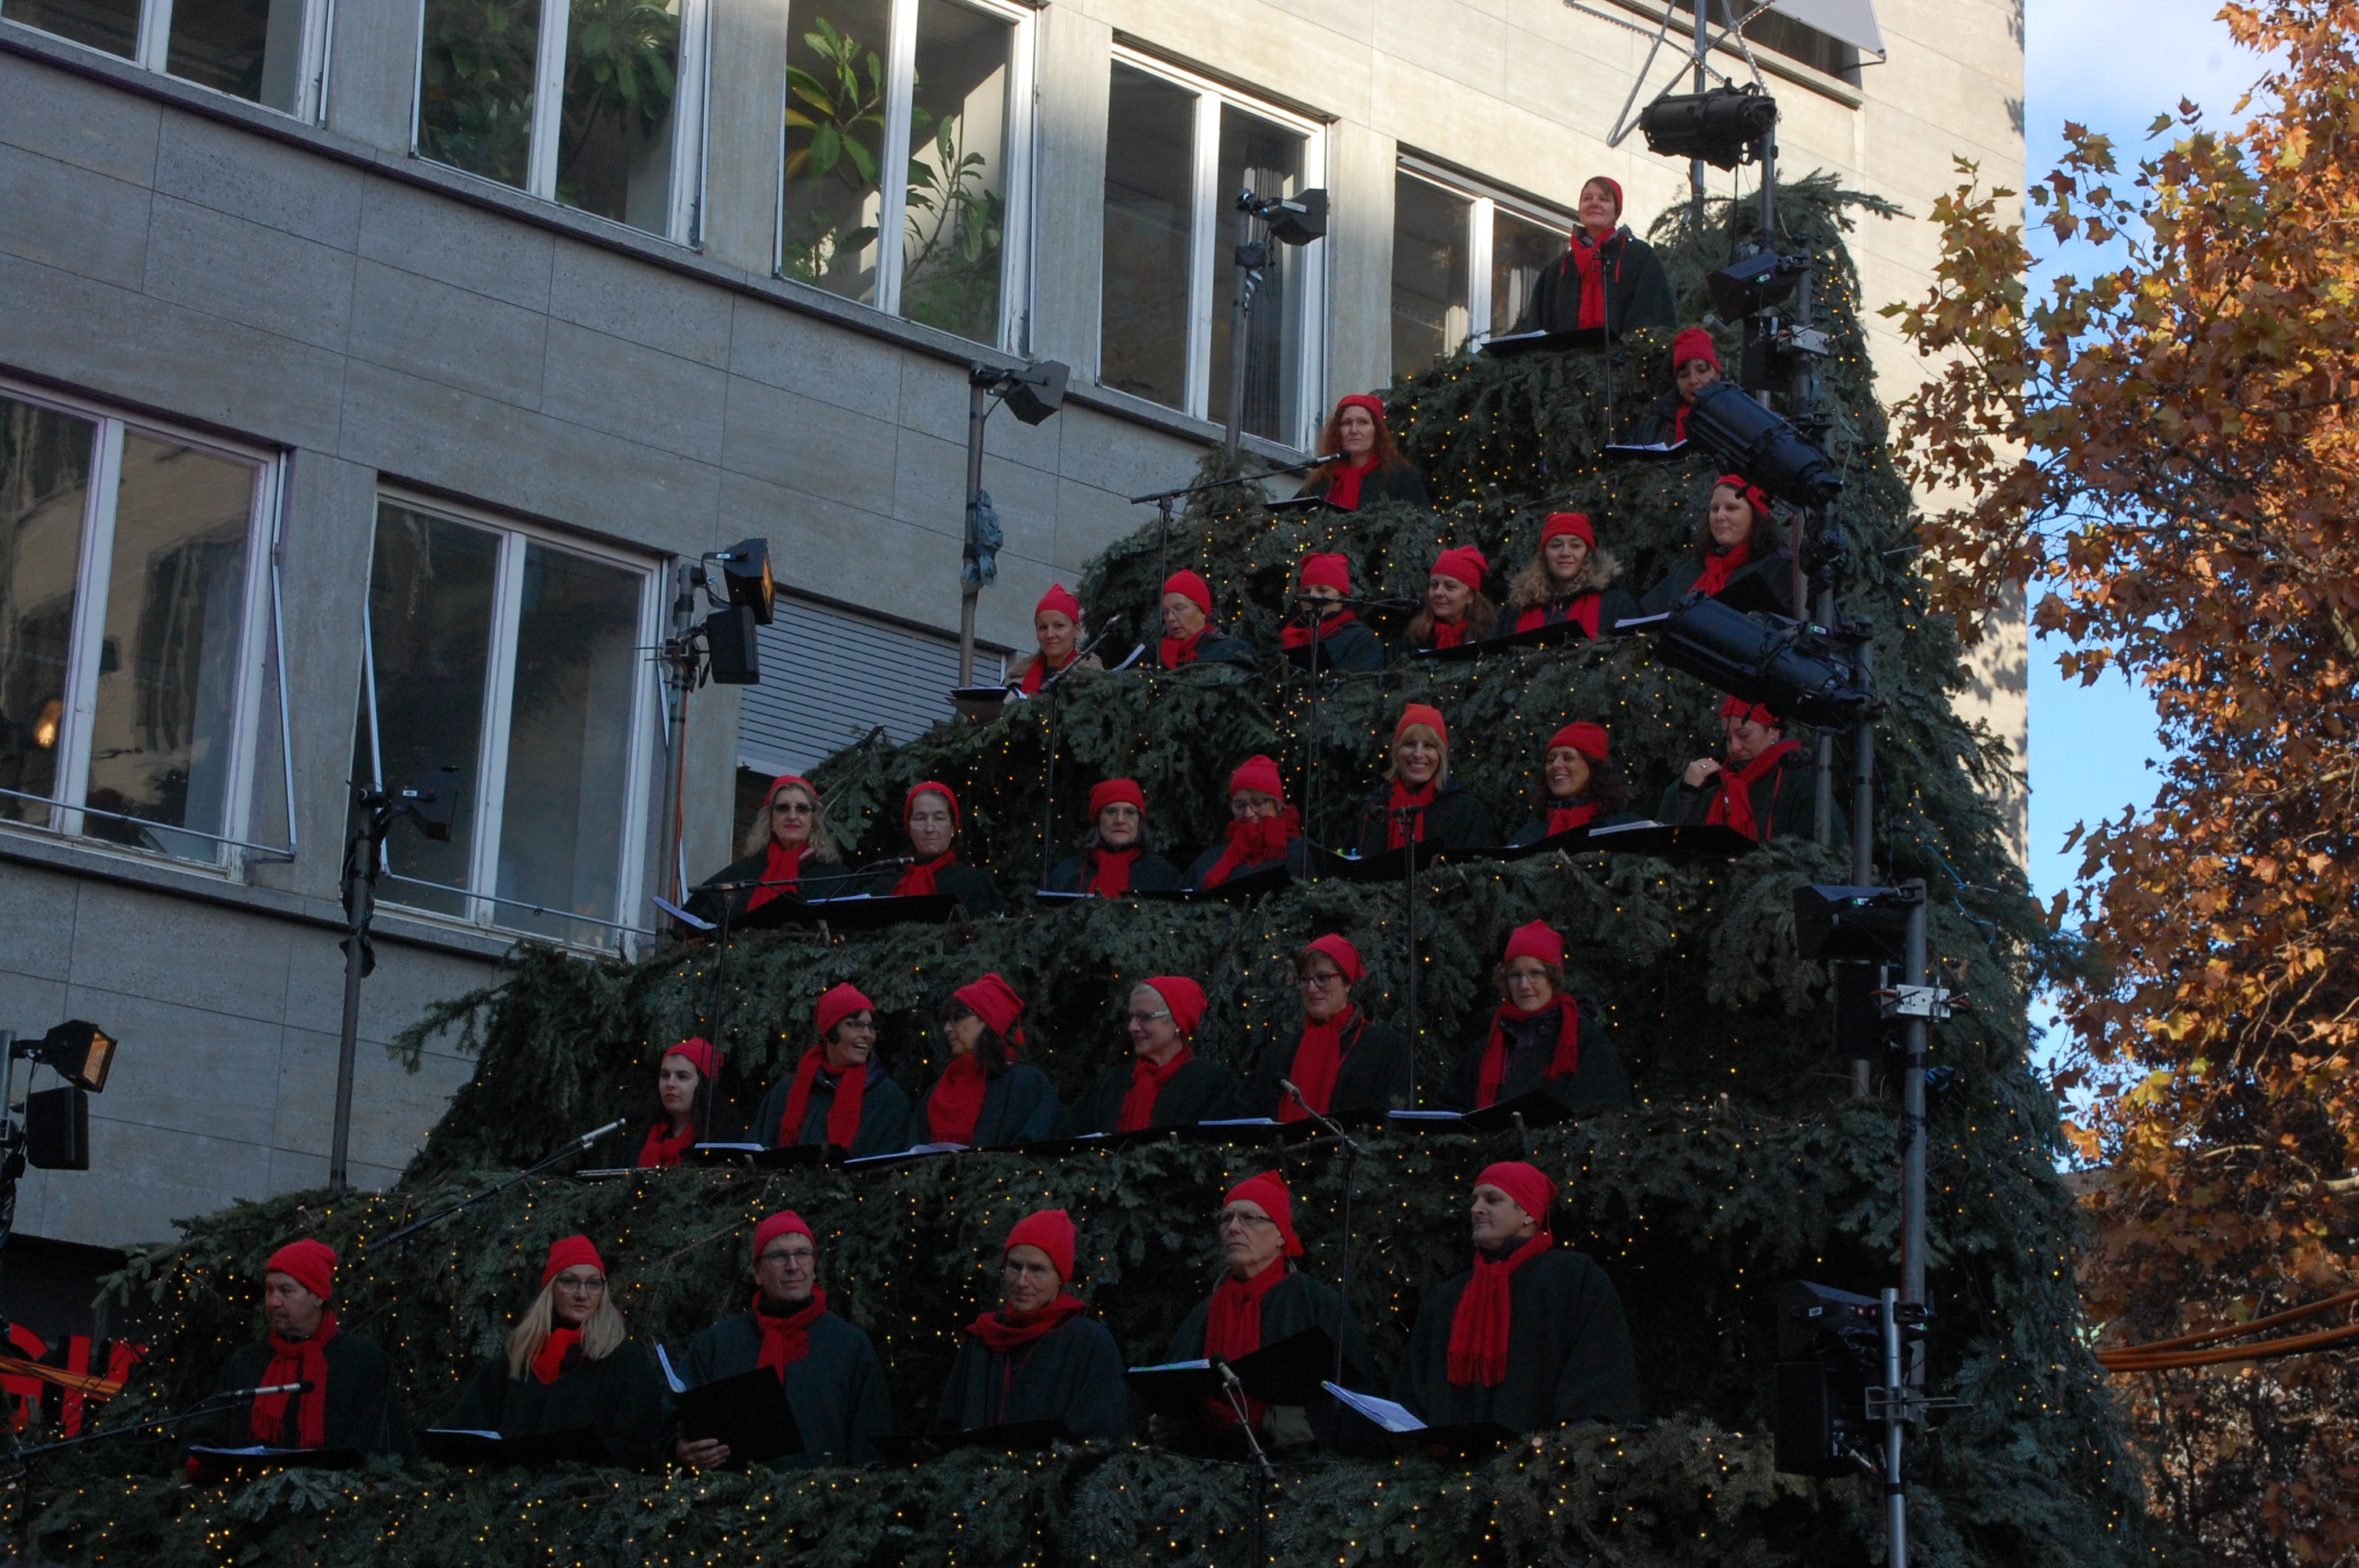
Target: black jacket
[
  {"x": 1294, "y": 1304},
  {"x": 364, "y": 1407},
  {"x": 884, "y": 1112},
  {"x": 1774, "y": 572},
  {"x": 1149, "y": 874},
  {"x": 1568, "y": 1357},
  {"x": 837, "y": 1391},
  {"x": 820, "y": 879},
  {"x": 1395, "y": 480},
  {"x": 1073, "y": 1373},
  {"x": 620, "y": 1398},
  {"x": 974, "y": 889},
  {"x": 1662, "y": 426},
  {"x": 1201, "y": 1090},
  {"x": 1613, "y": 606},
  {"x": 1018, "y": 1106},
  {"x": 1351, "y": 647},
  {"x": 1456, "y": 822},
  {"x": 1372, "y": 1079},
  {"x": 1784, "y": 799},
  {"x": 1296, "y": 862},
  {"x": 1637, "y": 292},
  {"x": 1534, "y": 827},
  {"x": 1216, "y": 648},
  {"x": 1599, "y": 1081}
]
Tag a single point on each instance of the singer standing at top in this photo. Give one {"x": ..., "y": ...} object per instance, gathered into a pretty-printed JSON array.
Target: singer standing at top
[
  {"x": 1363, "y": 467},
  {"x": 1607, "y": 279}
]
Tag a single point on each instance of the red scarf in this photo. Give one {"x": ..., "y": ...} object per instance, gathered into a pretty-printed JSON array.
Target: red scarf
[
  {"x": 1232, "y": 1328},
  {"x": 1318, "y": 1057},
  {"x": 1037, "y": 672},
  {"x": 548, "y": 1361},
  {"x": 1479, "y": 1328},
  {"x": 291, "y": 1360},
  {"x": 1565, "y": 818},
  {"x": 1003, "y": 1331},
  {"x": 785, "y": 1336},
  {"x": 1717, "y": 569},
  {"x": 1176, "y": 651},
  {"x": 1448, "y": 634},
  {"x": 843, "y": 1116},
  {"x": 1299, "y": 636},
  {"x": 662, "y": 1151},
  {"x": 1146, "y": 1081},
  {"x": 1255, "y": 842},
  {"x": 918, "y": 880},
  {"x": 957, "y": 1102},
  {"x": 1680, "y": 420},
  {"x": 1343, "y": 483},
  {"x": 1406, "y": 799},
  {"x": 1589, "y": 259},
  {"x": 784, "y": 865},
  {"x": 1493, "y": 1069},
  {"x": 1581, "y": 608},
  {"x": 1733, "y": 804},
  {"x": 1109, "y": 872}
]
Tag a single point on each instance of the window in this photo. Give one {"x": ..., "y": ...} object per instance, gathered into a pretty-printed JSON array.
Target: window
[
  {"x": 518, "y": 662},
  {"x": 1178, "y": 152},
  {"x": 620, "y": 137},
  {"x": 1465, "y": 260},
  {"x": 266, "y": 51},
  {"x": 1798, "y": 40},
  {"x": 130, "y": 584},
  {"x": 937, "y": 88},
  {"x": 830, "y": 676}
]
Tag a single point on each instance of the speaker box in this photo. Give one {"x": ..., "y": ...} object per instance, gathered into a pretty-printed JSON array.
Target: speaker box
[
  {"x": 1805, "y": 1438},
  {"x": 57, "y": 1129},
  {"x": 729, "y": 641}
]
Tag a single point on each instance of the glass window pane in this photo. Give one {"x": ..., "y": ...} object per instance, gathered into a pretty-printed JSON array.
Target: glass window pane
[
  {"x": 1519, "y": 249},
  {"x": 253, "y": 48},
  {"x": 1266, "y": 158},
  {"x": 1429, "y": 272},
  {"x": 45, "y": 459},
  {"x": 614, "y": 140},
  {"x": 109, "y": 25},
  {"x": 958, "y": 171},
  {"x": 1149, "y": 200},
  {"x": 474, "y": 108},
  {"x": 569, "y": 744},
  {"x": 430, "y": 599},
  {"x": 163, "y": 726},
  {"x": 835, "y": 141}
]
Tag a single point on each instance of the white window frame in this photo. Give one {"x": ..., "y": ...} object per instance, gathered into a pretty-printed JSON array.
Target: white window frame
[
  {"x": 488, "y": 799},
  {"x": 1488, "y": 200},
  {"x": 692, "y": 118},
  {"x": 1213, "y": 231},
  {"x": 86, "y": 641},
  {"x": 892, "y": 228},
  {"x": 152, "y": 49}
]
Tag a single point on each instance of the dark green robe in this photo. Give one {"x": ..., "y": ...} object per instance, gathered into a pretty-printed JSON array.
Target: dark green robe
[
  {"x": 1201, "y": 1091},
  {"x": 621, "y": 1398},
  {"x": 363, "y": 1404},
  {"x": 837, "y": 1391},
  {"x": 1073, "y": 1373},
  {"x": 1568, "y": 1357}
]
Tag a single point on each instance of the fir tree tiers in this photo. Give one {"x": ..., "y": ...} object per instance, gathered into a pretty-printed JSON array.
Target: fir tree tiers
[{"x": 1744, "y": 1164}]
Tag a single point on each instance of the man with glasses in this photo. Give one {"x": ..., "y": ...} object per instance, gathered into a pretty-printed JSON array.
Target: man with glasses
[
  {"x": 1165, "y": 1083},
  {"x": 1344, "y": 1066},
  {"x": 833, "y": 1378}
]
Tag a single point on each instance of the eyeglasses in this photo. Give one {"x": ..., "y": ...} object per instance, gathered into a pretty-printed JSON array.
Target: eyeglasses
[
  {"x": 786, "y": 1255},
  {"x": 1319, "y": 981},
  {"x": 1241, "y": 1221},
  {"x": 1145, "y": 1018},
  {"x": 589, "y": 1287}
]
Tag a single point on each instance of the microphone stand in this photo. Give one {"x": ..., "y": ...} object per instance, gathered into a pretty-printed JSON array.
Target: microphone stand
[
  {"x": 1049, "y": 785},
  {"x": 1347, "y": 1153},
  {"x": 1413, "y": 816},
  {"x": 571, "y": 1147},
  {"x": 1235, "y": 1392},
  {"x": 21, "y": 1517},
  {"x": 1164, "y": 499},
  {"x": 1310, "y": 736}
]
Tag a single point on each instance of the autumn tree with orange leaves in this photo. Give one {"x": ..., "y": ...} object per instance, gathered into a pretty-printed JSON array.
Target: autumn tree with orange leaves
[{"x": 2166, "y": 452}]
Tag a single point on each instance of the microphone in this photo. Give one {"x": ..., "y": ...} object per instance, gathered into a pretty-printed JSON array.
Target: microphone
[
  {"x": 587, "y": 1139},
  {"x": 1228, "y": 1374},
  {"x": 1314, "y": 1114},
  {"x": 300, "y": 1386}
]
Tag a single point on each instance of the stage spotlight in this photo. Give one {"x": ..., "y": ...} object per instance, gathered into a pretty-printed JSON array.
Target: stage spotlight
[
  {"x": 78, "y": 1051},
  {"x": 1755, "y": 282},
  {"x": 1037, "y": 391},
  {"x": 1723, "y": 127},
  {"x": 746, "y": 569},
  {"x": 1294, "y": 219},
  {"x": 1836, "y": 924},
  {"x": 1794, "y": 673},
  {"x": 1829, "y": 1343},
  {"x": 432, "y": 803},
  {"x": 1761, "y": 446},
  {"x": 731, "y": 645}
]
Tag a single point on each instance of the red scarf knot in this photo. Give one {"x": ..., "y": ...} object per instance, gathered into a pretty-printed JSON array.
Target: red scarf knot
[
  {"x": 1232, "y": 1328},
  {"x": 918, "y": 880},
  {"x": 1295, "y": 636},
  {"x": 1317, "y": 1058},
  {"x": 1004, "y": 1330},
  {"x": 1406, "y": 799},
  {"x": 784, "y": 864},
  {"x": 1037, "y": 672},
  {"x": 1146, "y": 1081},
  {"x": 1479, "y": 1328},
  {"x": 663, "y": 1149},
  {"x": 956, "y": 1103},
  {"x": 1719, "y": 569},
  {"x": 785, "y": 1336},
  {"x": 1448, "y": 634},
  {"x": 1173, "y": 652},
  {"x": 1494, "y": 1068},
  {"x": 1565, "y": 818},
  {"x": 1255, "y": 842},
  {"x": 1109, "y": 872},
  {"x": 292, "y": 1360},
  {"x": 843, "y": 1116},
  {"x": 548, "y": 1361},
  {"x": 1733, "y": 804}
]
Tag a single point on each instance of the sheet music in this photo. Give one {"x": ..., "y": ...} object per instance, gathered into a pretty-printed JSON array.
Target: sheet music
[
  {"x": 670, "y": 1376},
  {"x": 683, "y": 915},
  {"x": 1383, "y": 1413}
]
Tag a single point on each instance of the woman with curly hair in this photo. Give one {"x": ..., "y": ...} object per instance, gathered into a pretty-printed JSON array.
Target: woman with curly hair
[
  {"x": 1569, "y": 579},
  {"x": 1363, "y": 465}
]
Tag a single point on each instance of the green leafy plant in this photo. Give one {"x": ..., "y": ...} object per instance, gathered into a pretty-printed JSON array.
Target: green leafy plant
[
  {"x": 955, "y": 228},
  {"x": 835, "y": 133},
  {"x": 476, "y": 86},
  {"x": 621, "y": 60}
]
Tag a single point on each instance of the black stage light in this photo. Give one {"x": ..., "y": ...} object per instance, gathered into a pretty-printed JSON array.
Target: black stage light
[
  {"x": 1722, "y": 126},
  {"x": 1862, "y": 924},
  {"x": 1035, "y": 392},
  {"x": 57, "y": 1129},
  {"x": 1769, "y": 660},
  {"x": 1754, "y": 283},
  {"x": 1296, "y": 220},
  {"x": 1829, "y": 1342},
  {"x": 1761, "y": 446},
  {"x": 79, "y": 1052},
  {"x": 745, "y": 568},
  {"x": 432, "y": 803},
  {"x": 730, "y": 643}
]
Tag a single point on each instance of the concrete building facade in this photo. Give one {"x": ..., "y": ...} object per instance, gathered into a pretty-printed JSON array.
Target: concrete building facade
[{"x": 358, "y": 403}]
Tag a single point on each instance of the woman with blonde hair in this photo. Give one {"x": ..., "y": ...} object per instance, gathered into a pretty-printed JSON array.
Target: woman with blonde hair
[
  {"x": 1457, "y": 610},
  {"x": 1418, "y": 800},
  {"x": 570, "y": 1364},
  {"x": 787, "y": 850},
  {"x": 1569, "y": 579}
]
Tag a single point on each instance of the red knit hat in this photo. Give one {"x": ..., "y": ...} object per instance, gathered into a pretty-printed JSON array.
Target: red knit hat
[
  {"x": 1611, "y": 184},
  {"x": 1183, "y": 996},
  {"x": 1327, "y": 571},
  {"x": 1694, "y": 343},
  {"x": 1575, "y": 523},
  {"x": 1258, "y": 774},
  {"x": 1538, "y": 940},
  {"x": 1058, "y": 600},
  {"x": 1374, "y": 406},
  {"x": 1269, "y": 1190},
  {"x": 785, "y": 779},
  {"x": 1116, "y": 792},
  {"x": 1466, "y": 564},
  {"x": 310, "y": 1264},
  {"x": 994, "y": 1001},
  {"x": 929, "y": 787},
  {"x": 785, "y": 1222},
  {"x": 571, "y": 1252},
  {"x": 1531, "y": 1189},
  {"x": 1427, "y": 715},
  {"x": 1584, "y": 736},
  {"x": 1050, "y": 1229},
  {"x": 836, "y": 1004},
  {"x": 1193, "y": 587},
  {"x": 1755, "y": 496},
  {"x": 1737, "y": 707},
  {"x": 1347, "y": 956},
  {"x": 698, "y": 1052}
]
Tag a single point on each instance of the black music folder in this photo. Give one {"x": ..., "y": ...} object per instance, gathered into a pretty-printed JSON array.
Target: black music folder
[
  {"x": 1252, "y": 884},
  {"x": 852, "y": 912},
  {"x": 1015, "y": 1437},
  {"x": 1536, "y": 1106},
  {"x": 749, "y": 1413},
  {"x": 760, "y": 1157},
  {"x": 254, "y": 1460},
  {"x": 490, "y": 1450},
  {"x": 1514, "y": 343},
  {"x": 1290, "y": 1372}
]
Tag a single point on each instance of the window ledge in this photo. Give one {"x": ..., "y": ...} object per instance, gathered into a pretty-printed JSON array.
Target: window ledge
[
  {"x": 1139, "y": 410},
  {"x": 1772, "y": 63}
]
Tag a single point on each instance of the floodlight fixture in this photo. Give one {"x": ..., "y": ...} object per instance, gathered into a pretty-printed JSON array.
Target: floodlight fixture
[
  {"x": 1755, "y": 282},
  {"x": 77, "y": 1050},
  {"x": 731, "y": 645},
  {"x": 1038, "y": 390},
  {"x": 1766, "y": 659},
  {"x": 1869, "y": 924},
  {"x": 1724, "y": 127},
  {"x": 1292, "y": 220},
  {"x": 432, "y": 803},
  {"x": 745, "y": 571},
  {"x": 1762, "y": 446}
]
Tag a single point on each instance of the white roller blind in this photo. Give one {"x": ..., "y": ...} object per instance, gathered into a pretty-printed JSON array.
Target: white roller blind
[
  {"x": 1850, "y": 22},
  {"x": 829, "y": 676}
]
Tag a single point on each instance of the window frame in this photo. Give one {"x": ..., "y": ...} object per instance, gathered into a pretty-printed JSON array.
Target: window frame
[
  {"x": 153, "y": 45},
  {"x": 692, "y": 121},
  {"x": 1212, "y": 230},
  {"x": 488, "y": 799},
  {"x": 258, "y": 639},
  {"x": 1487, "y": 201}
]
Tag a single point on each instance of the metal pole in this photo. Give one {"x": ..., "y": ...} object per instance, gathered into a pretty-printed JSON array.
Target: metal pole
[
  {"x": 360, "y": 907},
  {"x": 1695, "y": 166},
  {"x": 1912, "y": 1111},
  {"x": 978, "y": 409},
  {"x": 1409, "y": 900},
  {"x": 1863, "y": 772},
  {"x": 677, "y": 679},
  {"x": 1895, "y": 1501},
  {"x": 1240, "y": 313}
]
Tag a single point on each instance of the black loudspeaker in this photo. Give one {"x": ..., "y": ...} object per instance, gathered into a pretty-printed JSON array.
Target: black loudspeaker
[
  {"x": 57, "y": 1129},
  {"x": 729, "y": 642},
  {"x": 1859, "y": 1012},
  {"x": 1805, "y": 1437}
]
